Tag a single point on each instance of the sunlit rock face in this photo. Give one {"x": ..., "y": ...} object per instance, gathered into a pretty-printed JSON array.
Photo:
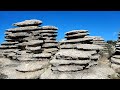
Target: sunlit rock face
[
  {"x": 31, "y": 46},
  {"x": 115, "y": 59},
  {"x": 76, "y": 54},
  {"x": 98, "y": 40}
]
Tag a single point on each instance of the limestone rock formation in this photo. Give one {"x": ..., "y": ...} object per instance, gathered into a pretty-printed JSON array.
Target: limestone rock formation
[
  {"x": 115, "y": 59},
  {"x": 98, "y": 40},
  {"x": 76, "y": 54},
  {"x": 31, "y": 46}
]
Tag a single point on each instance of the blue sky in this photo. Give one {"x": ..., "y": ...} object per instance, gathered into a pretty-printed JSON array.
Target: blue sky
[{"x": 99, "y": 23}]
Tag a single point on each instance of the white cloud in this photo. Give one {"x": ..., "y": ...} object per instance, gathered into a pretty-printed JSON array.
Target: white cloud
[{"x": 115, "y": 33}]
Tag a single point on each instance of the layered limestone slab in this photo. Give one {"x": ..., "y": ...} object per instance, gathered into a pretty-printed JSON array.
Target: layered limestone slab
[
  {"x": 77, "y": 35},
  {"x": 42, "y": 55},
  {"x": 33, "y": 48},
  {"x": 28, "y": 22},
  {"x": 67, "y": 68},
  {"x": 76, "y": 31},
  {"x": 24, "y": 29},
  {"x": 32, "y": 66},
  {"x": 9, "y": 43},
  {"x": 115, "y": 60},
  {"x": 88, "y": 47},
  {"x": 77, "y": 40},
  {"x": 116, "y": 56},
  {"x": 65, "y": 62},
  {"x": 49, "y": 28},
  {"x": 74, "y": 53},
  {"x": 50, "y": 45},
  {"x": 13, "y": 74}
]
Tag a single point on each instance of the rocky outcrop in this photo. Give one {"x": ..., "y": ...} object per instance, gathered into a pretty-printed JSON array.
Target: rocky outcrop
[
  {"x": 98, "y": 40},
  {"x": 31, "y": 46},
  {"x": 76, "y": 54},
  {"x": 115, "y": 59}
]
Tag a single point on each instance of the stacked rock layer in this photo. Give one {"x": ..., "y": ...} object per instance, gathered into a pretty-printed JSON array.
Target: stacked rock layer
[
  {"x": 76, "y": 53},
  {"x": 115, "y": 59},
  {"x": 98, "y": 40},
  {"x": 28, "y": 44}
]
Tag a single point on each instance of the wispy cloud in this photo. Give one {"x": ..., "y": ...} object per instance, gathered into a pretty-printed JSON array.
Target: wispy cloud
[{"x": 115, "y": 33}]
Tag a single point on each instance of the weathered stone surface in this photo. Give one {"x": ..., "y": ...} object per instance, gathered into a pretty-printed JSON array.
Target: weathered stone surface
[
  {"x": 76, "y": 31},
  {"x": 33, "y": 48},
  {"x": 95, "y": 72},
  {"x": 13, "y": 74},
  {"x": 67, "y": 68},
  {"x": 65, "y": 62},
  {"x": 32, "y": 66},
  {"x": 74, "y": 53},
  {"x": 89, "y": 47},
  {"x": 77, "y": 40},
  {"x": 26, "y": 43},
  {"x": 77, "y": 35},
  {"x": 28, "y": 23},
  {"x": 42, "y": 55},
  {"x": 24, "y": 29},
  {"x": 50, "y": 45},
  {"x": 116, "y": 56},
  {"x": 115, "y": 60},
  {"x": 49, "y": 28}
]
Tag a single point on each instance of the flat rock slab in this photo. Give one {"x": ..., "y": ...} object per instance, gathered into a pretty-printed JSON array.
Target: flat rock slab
[
  {"x": 50, "y": 45},
  {"x": 115, "y": 60},
  {"x": 97, "y": 56},
  {"x": 32, "y": 66},
  {"x": 28, "y": 22},
  {"x": 33, "y": 48},
  {"x": 116, "y": 56},
  {"x": 42, "y": 55},
  {"x": 77, "y": 40},
  {"x": 89, "y": 47},
  {"x": 49, "y": 28},
  {"x": 76, "y": 31},
  {"x": 65, "y": 46},
  {"x": 8, "y": 47},
  {"x": 7, "y": 62},
  {"x": 95, "y": 72},
  {"x": 24, "y": 29},
  {"x": 96, "y": 38},
  {"x": 77, "y": 35},
  {"x": 48, "y": 31},
  {"x": 9, "y": 43},
  {"x": 66, "y": 62},
  {"x": 115, "y": 66},
  {"x": 50, "y": 50},
  {"x": 74, "y": 53},
  {"x": 13, "y": 74},
  {"x": 67, "y": 68}
]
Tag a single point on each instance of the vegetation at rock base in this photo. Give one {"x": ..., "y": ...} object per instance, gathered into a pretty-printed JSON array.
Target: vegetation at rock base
[{"x": 111, "y": 47}]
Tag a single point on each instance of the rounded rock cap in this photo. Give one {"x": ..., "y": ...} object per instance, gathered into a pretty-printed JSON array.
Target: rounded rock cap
[
  {"x": 49, "y": 27},
  {"x": 28, "y": 22},
  {"x": 76, "y": 31}
]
